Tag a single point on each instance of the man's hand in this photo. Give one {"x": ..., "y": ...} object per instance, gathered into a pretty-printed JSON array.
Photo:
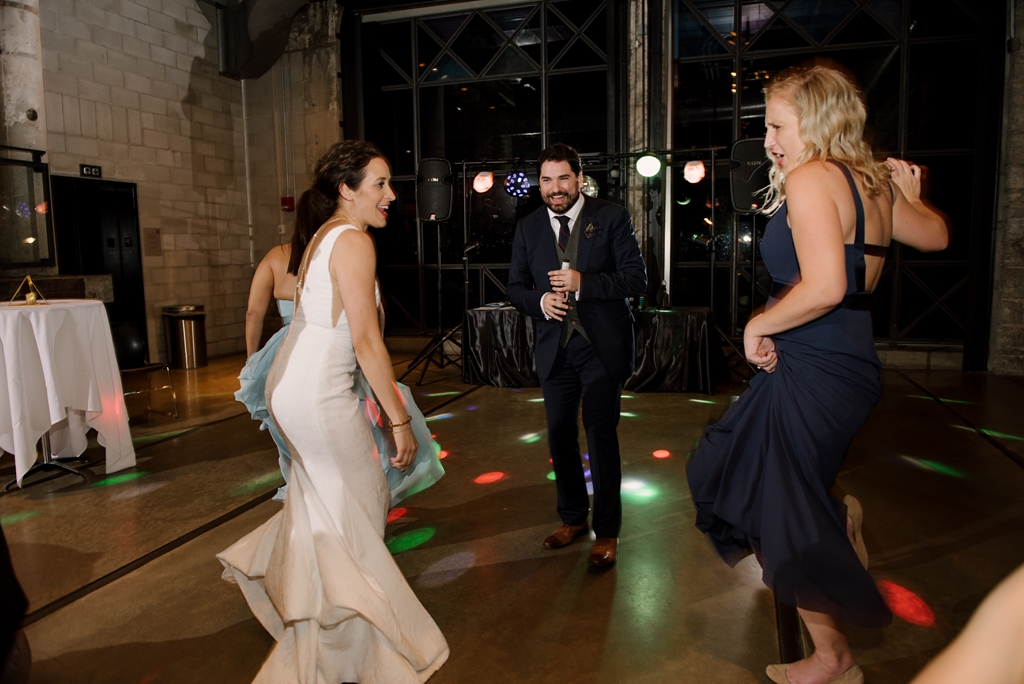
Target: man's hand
[
  {"x": 553, "y": 305},
  {"x": 565, "y": 280}
]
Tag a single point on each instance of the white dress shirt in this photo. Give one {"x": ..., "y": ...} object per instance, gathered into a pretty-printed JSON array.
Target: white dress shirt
[{"x": 573, "y": 214}]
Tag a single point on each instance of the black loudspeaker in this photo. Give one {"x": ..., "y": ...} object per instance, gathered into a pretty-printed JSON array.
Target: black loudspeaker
[
  {"x": 748, "y": 175},
  {"x": 434, "y": 190}
]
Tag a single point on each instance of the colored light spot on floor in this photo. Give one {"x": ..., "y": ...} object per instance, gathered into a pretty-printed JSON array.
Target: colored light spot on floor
[
  {"x": 627, "y": 396},
  {"x": 586, "y": 456},
  {"x": 530, "y": 437},
  {"x": 586, "y": 473},
  {"x": 472, "y": 407},
  {"x": 442, "y": 394},
  {"x": 138, "y": 490},
  {"x": 260, "y": 482},
  {"x": 942, "y": 399},
  {"x": 15, "y": 518},
  {"x": 538, "y": 400},
  {"x": 396, "y": 513},
  {"x": 703, "y": 401},
  {"x": 630, "y": 484},
  {"x": 441, "y": 416},
  {"x": 149, "y": 439},
  {"x": 551, "y": 475},
  {"x": 443, "y": 454},
  {"x": 410, "y": 540},
  {"x": 445, "y": 570},
  {"x": 991, "y": 433},
  {"x": 118, "y": 479},
  {"x": 906, "y": 605},
  {"x": 935, "y": 467},
  {"x": 662, "y": 453},
  {"x": 489, "y": 478},
  {"x": 625, "y": 414}
]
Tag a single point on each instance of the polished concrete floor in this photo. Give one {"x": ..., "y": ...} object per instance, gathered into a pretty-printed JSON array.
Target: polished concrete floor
[{"x": 124, "y": 586}]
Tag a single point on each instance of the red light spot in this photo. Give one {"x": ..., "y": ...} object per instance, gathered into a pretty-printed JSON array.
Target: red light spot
[
  {"x": 396, "y": 513},
  {"x": 662, "y": 453},
  {"x": 443, "y": 454},
  {"x": 488, "y": 478},
  {"x": 433, "y": 436},
  {"x": 551, "y": 460},
  {"x": 906, "y": 604}
]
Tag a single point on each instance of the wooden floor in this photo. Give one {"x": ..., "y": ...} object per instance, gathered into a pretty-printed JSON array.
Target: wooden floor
[{"x": 124, "y": 586}]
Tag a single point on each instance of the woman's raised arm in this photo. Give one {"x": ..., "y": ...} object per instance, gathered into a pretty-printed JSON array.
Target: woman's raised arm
[{"x": 914, "y": 223}]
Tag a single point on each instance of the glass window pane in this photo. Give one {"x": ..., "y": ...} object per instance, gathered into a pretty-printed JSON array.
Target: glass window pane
[
  {"x": 427, "y": 49},
  {"x": 719, "y": 13},
  {"x": 779, "y": 36},
  {"x": 497, "y": 119},
  {"x": 890, "y": 12},
  {"x": 394, "y": 40},
  {"x": 559, "y": 34},
  {"x": 702, "y": 108},
  {"x": 576, "y": 11},
  {"x": 754, "y": 16},
  {"x": 24, "y": 238},
  {"x": 510, "y": 19},
  {"x": 445, "y": 27},
  {"x": 529, "y": 38},
  {"x": 583, "y": 127},
  {"x": 391, "y": 127},
  {"x": 396, "y": 242},
  {"x": 940, "y": 121},
  {"x": 512, "y": 61},
  {"x": 578, "y": 55},
  {"x": 819, "y": 19},
  {"x": 478, "y": 43},
  {"x": 692, "y": 37},
  {"x": 941, "y": 18},
  {"x": 447, "y": 69},
  {"x": 597, "y": 31},
  {"x": 862, "y": 29}
]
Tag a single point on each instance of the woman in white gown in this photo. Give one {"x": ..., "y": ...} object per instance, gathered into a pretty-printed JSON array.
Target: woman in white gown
[{"x": 318, "y": 575}]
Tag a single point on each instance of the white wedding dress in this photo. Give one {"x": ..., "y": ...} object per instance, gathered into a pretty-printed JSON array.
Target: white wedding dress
[{"x": 318, "y": 575}]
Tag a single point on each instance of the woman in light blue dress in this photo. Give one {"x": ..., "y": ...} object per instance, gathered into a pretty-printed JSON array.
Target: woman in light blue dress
[{"x": 275, "y": 278}]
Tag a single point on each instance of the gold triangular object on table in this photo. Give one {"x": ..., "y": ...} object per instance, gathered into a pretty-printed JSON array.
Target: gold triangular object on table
[{"x": 33, "y": 295}]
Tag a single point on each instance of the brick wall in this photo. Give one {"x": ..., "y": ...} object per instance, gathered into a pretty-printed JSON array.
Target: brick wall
[
  {"x": 134, "y": 87},
  {"x": 1006, "y": 348}
]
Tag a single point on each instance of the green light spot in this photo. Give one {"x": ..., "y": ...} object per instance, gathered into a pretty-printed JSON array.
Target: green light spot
[
  {"x": 118, "y": 479},
  {"x": 442, "y": 416},
  {"x": 14, "y": 518},
  {"x": 942, "y": 399},
  {"x": 410, "y": 540},
  {"x": 991, "y": 433},
  {"x": 531, "y": 437},
  {"x": 443, "y": 394},
  {"x": 538, "y": 400},
  {"x": 257, "y": 483},
  {"x": 703, "y": 401},
  {"x": 642, "y": 494},
  {"x": 551, "y": 475},
  {"x": 628, "y": 396},
  {"x": 936, "y": 467},
  {"x": 625, "y": 414}
]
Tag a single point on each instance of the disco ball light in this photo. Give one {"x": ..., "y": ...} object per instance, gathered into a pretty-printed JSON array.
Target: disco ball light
[
  {"x": 648, "y": 166},
  {"x": 517, "y": 184},
  {"x": 590, "y": 187}
]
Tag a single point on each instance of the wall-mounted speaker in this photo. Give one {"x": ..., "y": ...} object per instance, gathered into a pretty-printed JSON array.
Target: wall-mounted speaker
[
  {"x": 748, "y": 175},
  {"x": 434, "y": 189}
]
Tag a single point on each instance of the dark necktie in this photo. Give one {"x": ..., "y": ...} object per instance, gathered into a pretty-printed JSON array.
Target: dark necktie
[{"x": 563, "y": 232}]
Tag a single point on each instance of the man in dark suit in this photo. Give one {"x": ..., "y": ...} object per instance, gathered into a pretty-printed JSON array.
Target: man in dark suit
[{"x": 584, "y": 337}]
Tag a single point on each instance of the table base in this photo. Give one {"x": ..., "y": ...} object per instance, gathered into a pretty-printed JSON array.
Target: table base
[{"x": 48, "y": 463}]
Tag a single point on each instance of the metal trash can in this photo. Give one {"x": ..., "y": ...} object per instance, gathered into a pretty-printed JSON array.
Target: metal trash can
[{"x": 185, "y": 336}]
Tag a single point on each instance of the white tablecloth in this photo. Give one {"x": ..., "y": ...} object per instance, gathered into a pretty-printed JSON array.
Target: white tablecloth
[{"x": 58, "y": 373}]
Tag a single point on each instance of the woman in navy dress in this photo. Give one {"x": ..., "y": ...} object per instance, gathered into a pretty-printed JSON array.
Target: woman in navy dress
[{"x": 761, "y": 476}]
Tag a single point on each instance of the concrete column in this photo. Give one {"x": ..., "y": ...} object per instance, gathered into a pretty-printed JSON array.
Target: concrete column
[{"x": 21, "y": 75}]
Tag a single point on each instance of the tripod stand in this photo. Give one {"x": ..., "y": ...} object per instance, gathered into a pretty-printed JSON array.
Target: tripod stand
[{"x": 435, "y": 347}]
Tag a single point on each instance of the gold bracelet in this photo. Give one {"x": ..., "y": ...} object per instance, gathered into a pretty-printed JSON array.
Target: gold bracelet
[
  {"x": 407, "y": 421},
  {"x": 407, "y": 428}
]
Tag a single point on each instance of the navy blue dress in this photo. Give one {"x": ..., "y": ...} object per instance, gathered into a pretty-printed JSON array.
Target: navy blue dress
[{"x": 761, "y": 476}]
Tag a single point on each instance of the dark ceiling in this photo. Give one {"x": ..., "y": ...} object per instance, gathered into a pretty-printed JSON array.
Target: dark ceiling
[{"x": 385, "y": 5}]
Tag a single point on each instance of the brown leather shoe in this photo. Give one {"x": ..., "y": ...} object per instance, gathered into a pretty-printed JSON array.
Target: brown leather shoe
[
  {"x": 604, "y": 551},
  {"x": 564, "y": 535}
]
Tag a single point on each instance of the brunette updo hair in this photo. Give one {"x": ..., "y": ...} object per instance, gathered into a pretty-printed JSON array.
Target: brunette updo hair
[
  {"x": 311, "y": 211},
  {"x": 345, "y": 162}
]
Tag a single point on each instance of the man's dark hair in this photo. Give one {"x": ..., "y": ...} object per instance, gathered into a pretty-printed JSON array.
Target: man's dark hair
[{"x": 560, "y": 152}]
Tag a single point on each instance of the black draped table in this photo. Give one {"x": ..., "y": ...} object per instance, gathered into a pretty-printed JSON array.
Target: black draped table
[{"x": 675, "y": 349}]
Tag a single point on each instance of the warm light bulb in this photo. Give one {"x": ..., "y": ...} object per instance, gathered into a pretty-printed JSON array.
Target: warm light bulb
[
  {"x": 648, "y": 165},
  {"x": 483, "y": 182},
  {"x": 694, "y": 171}
]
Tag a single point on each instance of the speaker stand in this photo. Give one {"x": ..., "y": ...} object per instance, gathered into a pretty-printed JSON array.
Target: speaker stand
[{"x": 435, "y": 347}]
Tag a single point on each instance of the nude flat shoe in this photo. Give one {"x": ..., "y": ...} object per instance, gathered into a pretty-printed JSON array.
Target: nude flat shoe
[
  {"x": 856, "y": 513},
  {"x": 855, "y": 675}
]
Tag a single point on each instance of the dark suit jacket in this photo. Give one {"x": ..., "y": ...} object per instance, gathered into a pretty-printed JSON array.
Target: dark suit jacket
[{"x": 611, "y": 270}]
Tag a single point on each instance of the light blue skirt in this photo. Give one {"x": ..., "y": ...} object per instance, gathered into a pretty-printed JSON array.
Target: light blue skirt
[{"x": 425, "y": 470}]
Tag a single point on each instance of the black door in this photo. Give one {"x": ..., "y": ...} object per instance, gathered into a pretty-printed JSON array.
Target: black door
[{"x": 96, "y": 225}]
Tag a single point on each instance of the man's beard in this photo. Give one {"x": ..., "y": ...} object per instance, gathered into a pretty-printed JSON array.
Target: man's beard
[{"x": 571, "y": 199}]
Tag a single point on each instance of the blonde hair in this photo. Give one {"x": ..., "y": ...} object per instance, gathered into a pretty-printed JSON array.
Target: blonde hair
[{"x": 832, "y": 117}]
